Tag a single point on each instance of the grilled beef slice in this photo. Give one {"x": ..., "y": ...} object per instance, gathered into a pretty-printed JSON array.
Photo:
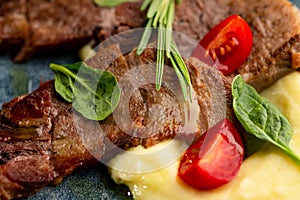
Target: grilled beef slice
[
  {"x": 29, "y": 26},
  {"x": 275, "y": 26},
  {"x": 42, "y": 131},
  {"x": 42, "y": 139},
  {"x": 38, "y": 142},
  {"x": 276, "y": 29},
  {"x": 14, "y": 27}
]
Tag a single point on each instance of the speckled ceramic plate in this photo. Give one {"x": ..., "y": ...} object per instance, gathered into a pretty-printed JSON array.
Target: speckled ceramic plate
[{"x": 94, "y": 183}]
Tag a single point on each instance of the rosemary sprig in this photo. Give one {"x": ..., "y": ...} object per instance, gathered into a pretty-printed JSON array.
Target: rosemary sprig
[
  {"x": 111, "y": 3},
  {"x": 160, "y": 15}
]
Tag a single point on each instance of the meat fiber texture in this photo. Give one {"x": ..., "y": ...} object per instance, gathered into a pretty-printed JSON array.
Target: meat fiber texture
[
  {"x": 38, "y": 129},
  {"x": 275, "y": 27},
  {"x": 42, "y": 132},
  {"x": 29, "y": 26}
]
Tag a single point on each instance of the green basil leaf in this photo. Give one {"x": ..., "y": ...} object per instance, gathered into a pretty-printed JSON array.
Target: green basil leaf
[
  {"x": 111, "y": 3},
  {"x": 93, "y": 92},
  {"x": 261, "y": 118},
  {"x": 65, "y": 76}
]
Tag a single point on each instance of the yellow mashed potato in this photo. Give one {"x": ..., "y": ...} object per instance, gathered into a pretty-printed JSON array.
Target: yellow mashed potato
[{"x": 267, "y": 174}]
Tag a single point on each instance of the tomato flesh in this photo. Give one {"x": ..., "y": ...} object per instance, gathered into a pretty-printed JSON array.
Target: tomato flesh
[
  {"x": 227, "y": 45},
  {"x": 214, "y": 159}
]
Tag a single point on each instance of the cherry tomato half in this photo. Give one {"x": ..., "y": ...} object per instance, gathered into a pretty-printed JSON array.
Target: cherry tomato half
[
  {"x": 227, "y": 45},
  {"x": 214, "y": 159}
]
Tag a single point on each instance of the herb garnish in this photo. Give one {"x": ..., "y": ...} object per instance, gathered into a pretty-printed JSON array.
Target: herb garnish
[
  {"x": 261, "y": 118},
  {"x": 93, "y": 92},
  {"x": 160, "y": 15},
  {"x": 111, "y": 3}
]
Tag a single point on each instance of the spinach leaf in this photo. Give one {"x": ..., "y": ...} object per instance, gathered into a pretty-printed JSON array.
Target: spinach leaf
[
  {"x": 261, "y": 118},
  {"x": 93, "y": 92},
  {"x": 111, "y": 3}
]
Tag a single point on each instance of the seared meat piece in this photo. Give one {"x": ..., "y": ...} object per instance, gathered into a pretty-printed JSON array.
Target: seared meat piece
[
  {"x": 275, "y": 27},
  {"x": 61, "y": 25},
  {"x": 38, "y": 142},
  {"x": 279, "y": 63},
  {"x": 30, "y": 26},
  {"x": 42, "y": 139},
  {"x": 14, "y": 28},
  {"x": 146, "y": 104},
  {"x": 42, "y": 131},
  {"x": 48, "y": 25},
  {"x": 39, "y": 26}
]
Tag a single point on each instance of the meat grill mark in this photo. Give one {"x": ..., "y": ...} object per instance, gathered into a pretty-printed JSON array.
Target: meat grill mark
[{"x": 278, "y": 64}]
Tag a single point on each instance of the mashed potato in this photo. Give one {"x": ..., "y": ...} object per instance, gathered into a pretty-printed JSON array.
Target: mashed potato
[{"x": 267, "y": 174}]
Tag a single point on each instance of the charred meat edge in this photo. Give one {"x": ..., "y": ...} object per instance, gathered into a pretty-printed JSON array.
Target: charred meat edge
[{"x": 41, "y": 129}]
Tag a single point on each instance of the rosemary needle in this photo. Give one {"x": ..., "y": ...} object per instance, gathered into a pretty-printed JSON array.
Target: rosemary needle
[
  {"x": 169, "y": 21},
  {"x": 145, "y": 4},
  {"x": 160, "y": 15},
  {"x": 145, "y": 37}
]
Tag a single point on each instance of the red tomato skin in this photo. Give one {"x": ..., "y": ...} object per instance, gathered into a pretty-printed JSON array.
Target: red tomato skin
[
  {"x": 227, "y": 45},
  {"x": 214, "y": 159}
]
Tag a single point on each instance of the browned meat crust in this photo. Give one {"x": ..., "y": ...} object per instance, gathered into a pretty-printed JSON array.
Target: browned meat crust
[
  {"x": 13, "y": 24},
  {"x": 276, "y": 65},
  {"x": 275, "y": 27},
  {"x": 37, "y": 26},
  {"x": 38, "y": 143},
  {"x": 30, "y": 26},
  {"x": 40, "y": 130}
]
